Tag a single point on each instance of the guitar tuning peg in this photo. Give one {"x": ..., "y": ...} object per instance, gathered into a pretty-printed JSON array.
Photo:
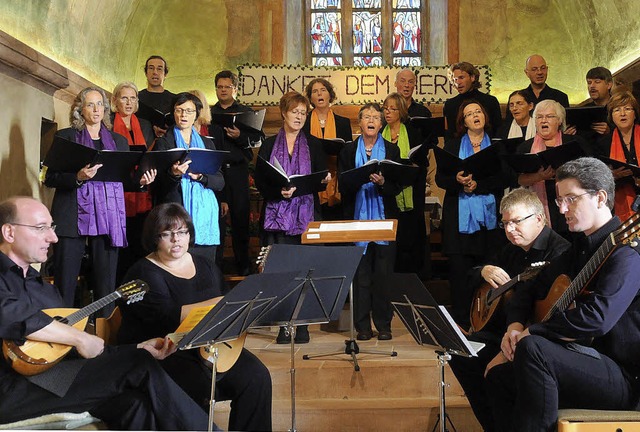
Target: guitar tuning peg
[{"x": 633, "y": 244}]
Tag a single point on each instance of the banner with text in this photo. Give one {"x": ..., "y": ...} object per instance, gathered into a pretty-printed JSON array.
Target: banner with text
[{"x": 264, "y": 85}]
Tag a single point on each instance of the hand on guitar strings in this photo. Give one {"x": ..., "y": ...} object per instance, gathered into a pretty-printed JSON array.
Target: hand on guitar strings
[
  {"x": 495, "y": 276},
  {"x": 89, "y": 346},
  {"x": 160, "y": 348}
]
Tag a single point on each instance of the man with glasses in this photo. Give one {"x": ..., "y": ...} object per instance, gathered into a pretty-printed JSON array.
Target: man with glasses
[
  {"x": 124, "y": 386},
  {"x": 588, "y": 354},
  {"x": 234, "y": 198},
  {"x": 155, "y": 96},
  {"x": 530, "y": 241}
]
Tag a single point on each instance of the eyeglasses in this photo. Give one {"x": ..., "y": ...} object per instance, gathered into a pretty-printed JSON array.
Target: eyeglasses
[
  {"x": 370, "y": 118},
  {"x": 473, "y": 113},
  {"x": 225, "y": 87},
  {"x": 299, "y": 112},
  {"x": 41, "y": 229},
  {"x": 390, "y": 109},
  {"x": 92, "y": 106},
  {"x": 620, "y": 110},
  {"x": 513, "y": 222},
  {"x": 547, "y": 117},
  {"x": 126, "y": 99},
  {"x": 180, "y": 234},
  {"x": 570, "y": 199},
  {"x": 187, "y": 111}
]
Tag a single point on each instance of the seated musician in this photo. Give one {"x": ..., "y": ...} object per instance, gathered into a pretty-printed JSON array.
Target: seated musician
[
  {"x": 530, "y": 241},
  {"x": 180, "y": 281},
  {"x": 123, "y": 386},
  {"x": 585, "y": 355}
]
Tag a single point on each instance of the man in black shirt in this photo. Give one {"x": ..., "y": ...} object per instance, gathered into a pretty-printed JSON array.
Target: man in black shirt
[
  {"x": 466, "y": 78},
  {"x": 531, "y": 241},
  {"x": 599, "y": 85},
  {"x": 123, "y": 386},
  {"x": 235, "y": 195},
  {"x": 405, "y": 85},
  {"x": 155, "y": 96}
]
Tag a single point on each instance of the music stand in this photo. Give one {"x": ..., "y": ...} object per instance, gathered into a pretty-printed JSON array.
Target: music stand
[
  {"x": 228, "y": 319},
  {"x": 429, "y": 324},
  {"x": 316, "y": 293}
]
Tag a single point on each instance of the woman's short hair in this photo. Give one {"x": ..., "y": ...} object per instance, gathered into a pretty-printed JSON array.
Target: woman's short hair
[
  {"x": 205, "y": 114},
  {"x": 461, "y": 127},
  {"x": 75, "y": 116},
  {"x": 118, "y": 90},
  {"x": 165, "y": 217},
  {"x": 401, "y": 104},
  {"x": 291, "y": 100},
  {"x": 325, "y": 83},
  {"x": 526, "y": 95},
  {"x": 620, "y": 99},
  {"x": 468, "y": 68},
  {"x": 591, "y": 174},
  {"x": 183, "y": 97},
  {"x": 371, "y": 105},
  {"x": 524, "y": 197},
  {"x": 557, "y": 108}
]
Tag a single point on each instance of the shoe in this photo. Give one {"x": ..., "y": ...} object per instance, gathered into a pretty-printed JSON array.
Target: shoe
[
  {"x": 385, "y": 335},
  {"x": 283, "y": 337},
  {"x": 302, "y": 334},
  {"x": 364, "y": 335}
]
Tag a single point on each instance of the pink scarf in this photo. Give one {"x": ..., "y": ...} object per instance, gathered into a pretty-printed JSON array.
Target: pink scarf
[{"x": 539, "y": 188}]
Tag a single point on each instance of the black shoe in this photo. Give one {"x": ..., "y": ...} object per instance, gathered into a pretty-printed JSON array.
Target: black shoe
[
  {"x": 364, "y": 335},
  {"x": 385, "y": 335},
  {"x": 283, "y": 336},
  {"x": 302, "y": 334}
]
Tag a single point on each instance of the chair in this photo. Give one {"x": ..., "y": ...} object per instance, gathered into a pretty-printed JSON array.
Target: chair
[{"x": 581, "y": 420}]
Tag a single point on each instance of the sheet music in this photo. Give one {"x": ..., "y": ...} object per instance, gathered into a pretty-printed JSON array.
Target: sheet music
[
  {"x": 473, "y": 347},
  {"x": 357, "y": 226}
]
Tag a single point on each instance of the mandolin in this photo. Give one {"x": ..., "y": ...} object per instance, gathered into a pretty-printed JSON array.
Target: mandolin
[
  {"x": 564, "y": 291},
  {"x": 487, "y": 299},
  {"x": 34, "y": 357}
]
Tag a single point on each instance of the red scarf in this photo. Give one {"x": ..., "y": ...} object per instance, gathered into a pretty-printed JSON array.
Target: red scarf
[
  {"x": 134, "y": 202},
  {"x": 625, "y": 192}
]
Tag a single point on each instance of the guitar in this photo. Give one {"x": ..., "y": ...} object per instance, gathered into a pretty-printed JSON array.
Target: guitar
[
  {"x": 487, "y": 299},
  {"x": 34, "y": 357},
  {"x": 563, "y": 291}
]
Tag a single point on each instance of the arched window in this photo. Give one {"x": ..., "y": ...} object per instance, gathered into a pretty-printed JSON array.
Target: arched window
[{"x": 366, "y": 32}]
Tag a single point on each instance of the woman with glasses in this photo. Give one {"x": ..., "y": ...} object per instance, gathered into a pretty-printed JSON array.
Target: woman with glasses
[
  {"x": 180, "y": 281},
  {"x": 623, "y": 144},
  {"x": 550, "y": 119},
  {"x": 285, "y": 216},
  {"x": 195, "y": 191},
  {"x": 411, "y": 236},
  {"x": 322, "y": 122},
  {"x": 89, "y": 212},
  {"x": 375, "y": 200},
  {"x": 470, "y": 209}
]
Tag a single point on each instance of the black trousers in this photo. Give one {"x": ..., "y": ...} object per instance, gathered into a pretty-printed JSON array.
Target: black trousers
[
  {"x": 126, "y": 388},
  {"x": 101, "y": 277},
  {"x": 545, "y": 376},
  {"x": 247, "y": 384},
  {"x": 370, "y": 300},
  {"x": 413, "y": 254},
  {"x": 236, "y": 179}
]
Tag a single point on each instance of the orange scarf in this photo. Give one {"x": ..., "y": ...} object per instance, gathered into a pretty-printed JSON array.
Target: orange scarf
[
  {"x": 625, "y": 192},
  {"x": 330, "y": 196},
  {"x": 539, "y": 188},
  {"x": 134, "y": 202}
]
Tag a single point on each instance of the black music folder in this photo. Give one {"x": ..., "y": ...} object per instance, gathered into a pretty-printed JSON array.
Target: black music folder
[
  {"x": 70, "y": 157},
  {"x": 203, "y": 161},
  {"x": 397, "y": 172},
  {"x": 248, "y": 120},
  {"x": 304, "y": 183},
  {"x": 419, "y": 155},
  {"x": 483, "y": 164},
  {"x": 615, "y": 164},
  {"x": 508, "y": 145},
  {"x": 154, "y": 116},
  {"x": 332, "y": 146},
  {"x": 429, "y": 125},
  {"x": 553, "y": 157},
  {"x": 583, "y": 117}
]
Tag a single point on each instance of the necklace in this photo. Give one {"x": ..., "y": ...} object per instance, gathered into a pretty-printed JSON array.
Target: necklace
[{"x": 322, "y": 122}]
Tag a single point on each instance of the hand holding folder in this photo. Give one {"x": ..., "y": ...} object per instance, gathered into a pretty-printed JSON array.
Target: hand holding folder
[
  {"x": 485, "y": 163},
  {"x": 583, "y": 117},
  {"x": 402, "y": 174},
  {"x": 248, "y": 120},
  {"x": 203, "y": 161},
  {"x": 553, "y": 157}
]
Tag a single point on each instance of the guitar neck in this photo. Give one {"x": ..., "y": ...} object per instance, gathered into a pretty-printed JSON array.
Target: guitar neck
[
  {"x": 91, "y": 308},
  {"x": 495, "y": 293}
]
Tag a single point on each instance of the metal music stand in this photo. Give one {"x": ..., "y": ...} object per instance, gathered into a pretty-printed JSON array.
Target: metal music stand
[
  {"x": 316, "y": 294},
  {"x": 429, "y": 324},
  {"x": 231, "y": 317}
]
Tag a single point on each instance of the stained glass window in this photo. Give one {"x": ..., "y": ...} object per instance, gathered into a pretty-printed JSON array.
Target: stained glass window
[
  {"x": 326, "y": 33},
  {"x": 407, "y": 33}
]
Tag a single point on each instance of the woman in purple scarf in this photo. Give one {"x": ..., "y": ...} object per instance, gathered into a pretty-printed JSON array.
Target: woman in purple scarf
[
  {"x": 89, "y": 215},
  {"x": 286, "y": 216}
]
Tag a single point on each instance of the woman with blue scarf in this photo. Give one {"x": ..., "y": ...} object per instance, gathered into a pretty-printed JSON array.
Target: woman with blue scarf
[
  {"x": 470, "y": 209},
  {"x": 285, "y": 217},
  {"x": 194, "y": 191},
  {"x": 375, "y": 200}
]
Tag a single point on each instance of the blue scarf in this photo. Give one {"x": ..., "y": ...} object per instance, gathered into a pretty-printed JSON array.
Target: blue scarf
[
  {"x": 369, "y": 204},
  {"x": 200, "y": 202},
  {"x": 474, "y": 210}
]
